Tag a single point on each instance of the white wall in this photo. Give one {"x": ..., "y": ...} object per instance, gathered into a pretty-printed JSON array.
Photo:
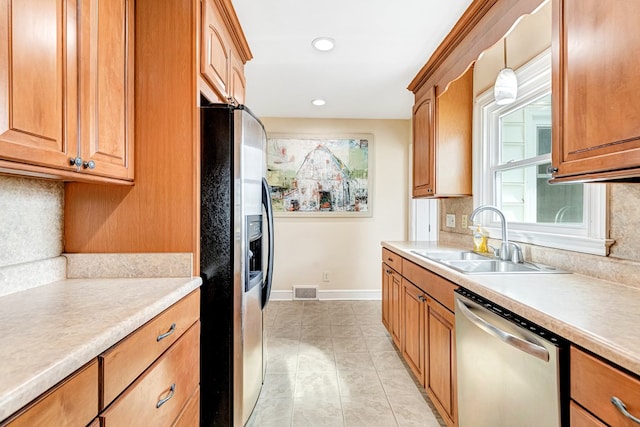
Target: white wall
[{"x": 347, "y": 248}]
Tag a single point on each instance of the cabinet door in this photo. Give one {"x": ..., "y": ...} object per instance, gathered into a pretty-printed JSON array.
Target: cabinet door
[
  {"x": 424, "y": 144},
  {"x": 106, "y": 87},
  {"x": 38, "y": 82},
  {"x": 386, "y": 297},
  {"x": 413, "y": 328},
  {"x": 215, "y": 50},
  {"x": 395, "y": 308},
  {"x": 238, "y": 82},
  {"x": 440, "y": 378},
  {"x": 452, "y": 156},
  {"x": 595, "y": 104}
]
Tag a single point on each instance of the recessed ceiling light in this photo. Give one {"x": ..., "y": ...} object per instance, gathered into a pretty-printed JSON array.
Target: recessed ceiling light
[
  {"x": 323, "y": 44},
  {"x": 318, "y": 102}
]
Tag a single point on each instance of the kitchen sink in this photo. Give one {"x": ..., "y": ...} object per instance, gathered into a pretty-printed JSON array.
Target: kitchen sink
[
  {"x": 452, "y": 255},
  {"x": 468, "y": 262}
]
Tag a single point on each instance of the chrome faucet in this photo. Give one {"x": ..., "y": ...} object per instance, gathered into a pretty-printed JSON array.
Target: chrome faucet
[{"x": 505, "y": 253}]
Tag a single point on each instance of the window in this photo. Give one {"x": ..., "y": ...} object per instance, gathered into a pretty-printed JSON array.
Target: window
[{"x": 510, "y": 171}]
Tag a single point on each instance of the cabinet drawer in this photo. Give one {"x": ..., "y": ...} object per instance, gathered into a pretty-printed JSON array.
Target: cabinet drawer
[
  {"x": 125, "y": 361},
  {"x": 438, "y": 288},
  {"x": 392, "y": 259},
  {"x": 593, "y": 384},
  {"x": 73, "y": 402},
  {"x": 190, "y": 415},
  {"x": 172, "y": 378},
  {"x": 578, "y": 417}
]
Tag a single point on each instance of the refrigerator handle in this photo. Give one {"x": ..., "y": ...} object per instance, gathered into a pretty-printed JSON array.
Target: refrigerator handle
[{"x": 266, "y": 202}]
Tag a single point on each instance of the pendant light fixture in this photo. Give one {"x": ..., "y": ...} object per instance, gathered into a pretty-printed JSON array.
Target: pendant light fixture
[{"x": 505, "y": 90}]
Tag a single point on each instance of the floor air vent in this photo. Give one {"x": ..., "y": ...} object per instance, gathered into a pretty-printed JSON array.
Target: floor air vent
[{"x": 305, "y": 292}]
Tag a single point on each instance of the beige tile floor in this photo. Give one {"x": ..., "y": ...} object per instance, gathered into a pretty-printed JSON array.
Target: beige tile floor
[{"x": 332, "y": 363}]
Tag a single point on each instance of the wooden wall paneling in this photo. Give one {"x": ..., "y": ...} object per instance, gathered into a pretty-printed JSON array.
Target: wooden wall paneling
[{"x": 160, "y": 213}]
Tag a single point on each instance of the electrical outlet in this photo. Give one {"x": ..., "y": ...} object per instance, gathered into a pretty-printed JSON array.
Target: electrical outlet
[
  {"x": 325, "y": 276},
  {"x": 464, "y": 223},
  {"x": 451, "y": 220}
]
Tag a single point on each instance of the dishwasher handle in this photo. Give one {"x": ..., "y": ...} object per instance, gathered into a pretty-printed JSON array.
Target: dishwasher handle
[{"x": 523, "y": 345}]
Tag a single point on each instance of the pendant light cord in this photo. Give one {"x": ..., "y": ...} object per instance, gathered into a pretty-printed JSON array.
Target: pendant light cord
[{"x": 504, "y": 44}]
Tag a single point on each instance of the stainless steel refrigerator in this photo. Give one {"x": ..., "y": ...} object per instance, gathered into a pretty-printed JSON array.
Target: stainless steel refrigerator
[{"x": 236, "y": 262}]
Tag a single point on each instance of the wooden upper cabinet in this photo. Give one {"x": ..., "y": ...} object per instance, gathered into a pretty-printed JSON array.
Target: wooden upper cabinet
[
  {"x": 215, "y": 50},
  {"x": 223, "y": 51},
  {"x": 66, "y": 88},
  {"x": 423, "y": 144},
  {"x": 37, "y": 82},
  {"x": 106, "y": 86},
  {"x": 442, "y": 140},
  {"x": 238, "y": 82},
  {"x": 596, "y": 131}
]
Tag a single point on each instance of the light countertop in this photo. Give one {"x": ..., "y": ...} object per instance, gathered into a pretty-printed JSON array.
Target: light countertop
[
  {"x": 600, "y": 316},
  {"x": 50, "y": 331}
]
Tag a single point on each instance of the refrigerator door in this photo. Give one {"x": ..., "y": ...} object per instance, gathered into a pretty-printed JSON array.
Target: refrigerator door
[
  {"x": 250, "y": 137},
  {"x": 268, "y": 276}
]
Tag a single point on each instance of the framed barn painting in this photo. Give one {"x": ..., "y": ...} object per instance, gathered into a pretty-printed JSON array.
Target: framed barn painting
[{"x": 328, "y": 176}]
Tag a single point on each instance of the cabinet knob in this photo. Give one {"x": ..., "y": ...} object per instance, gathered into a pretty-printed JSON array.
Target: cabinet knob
[
  {"x": 421, "y": 298},
  {"x": 551, "y": 170},
  {"x": 75, "y": 161},
  {"x": 89, "y": 165}
]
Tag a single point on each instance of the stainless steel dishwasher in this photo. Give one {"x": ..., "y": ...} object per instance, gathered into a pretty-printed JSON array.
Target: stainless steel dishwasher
[{"x": 511, "y": 372}]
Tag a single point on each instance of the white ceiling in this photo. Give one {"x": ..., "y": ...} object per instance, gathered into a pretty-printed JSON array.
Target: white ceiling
[{"x": 380, "y": 46}]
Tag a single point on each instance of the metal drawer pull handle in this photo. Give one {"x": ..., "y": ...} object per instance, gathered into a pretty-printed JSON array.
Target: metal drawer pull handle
[
  {"x": 169, "y": 332},
  {"x": 622, "y": 408},
  {"x": 171, "y": 393}
]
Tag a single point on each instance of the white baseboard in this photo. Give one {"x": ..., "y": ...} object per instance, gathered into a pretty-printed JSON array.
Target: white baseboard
[{"x": 329, "y": 295}]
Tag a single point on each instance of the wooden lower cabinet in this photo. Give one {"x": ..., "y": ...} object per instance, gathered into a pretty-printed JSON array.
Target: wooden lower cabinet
[
  {"x": 578, "y": 417},
  {"x": 594, "y": 382},
  {"x": 151, "y": 377},
  {"x": 153, "y": 374},
  {"x": 386, "y": 298},
  {"x": 190, "y": 415},
  {"x": 125, "y": 361},
  {"x": 159, "y": 395},
  {"x": 440, "y": 360},
  {"x": 418, "y": 308},
  {"x": 413, "y": 327},
  {"x": 391, "y": 295},
  {"x": 395, "y": 309},
  {"x": 73, "y": 402}
]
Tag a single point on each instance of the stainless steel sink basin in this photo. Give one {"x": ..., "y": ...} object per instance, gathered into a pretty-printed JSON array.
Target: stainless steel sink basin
[
  {"x": 451, "y": 255},
  {"x": 496, "y": 266},
  {"x": 468, "y": 262}
]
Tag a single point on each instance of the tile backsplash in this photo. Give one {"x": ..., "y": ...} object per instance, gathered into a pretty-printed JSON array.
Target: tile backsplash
[{"x": 623, "y": 263}]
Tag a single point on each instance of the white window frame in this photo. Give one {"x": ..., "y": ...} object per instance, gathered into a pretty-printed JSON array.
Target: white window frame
[{"x": 534, "y": 81}]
